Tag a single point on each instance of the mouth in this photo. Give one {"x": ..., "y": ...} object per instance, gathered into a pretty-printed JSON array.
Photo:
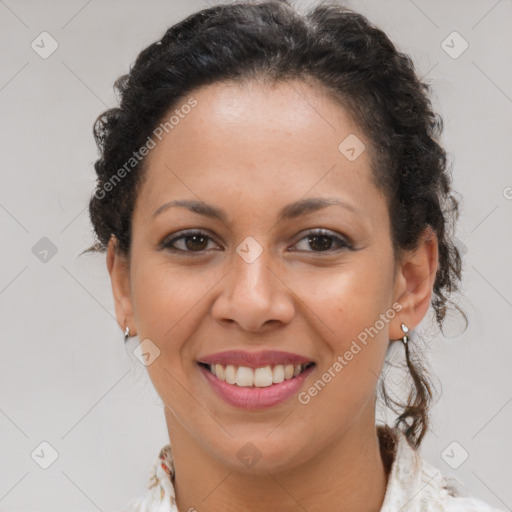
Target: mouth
[
  {"x": 259, "y": 377},
  {"x": 255, "y": 380}
]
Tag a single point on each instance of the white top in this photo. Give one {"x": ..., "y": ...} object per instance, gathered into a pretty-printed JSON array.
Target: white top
[{"x": 414, "y": 485}]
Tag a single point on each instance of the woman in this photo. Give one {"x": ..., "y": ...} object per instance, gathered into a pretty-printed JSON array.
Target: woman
[{"x": 276, "y": 212}]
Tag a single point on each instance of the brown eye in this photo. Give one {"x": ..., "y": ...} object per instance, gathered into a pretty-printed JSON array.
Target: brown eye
[
  {"x": 191, "y": 241},
  {"x": 324, "y": 241}
]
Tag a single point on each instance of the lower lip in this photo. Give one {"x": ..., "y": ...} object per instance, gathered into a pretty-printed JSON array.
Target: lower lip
[{"x": 254, "y": 398}]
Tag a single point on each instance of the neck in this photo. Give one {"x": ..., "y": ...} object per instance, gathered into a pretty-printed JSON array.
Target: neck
[{"x": 348, "y": 474}]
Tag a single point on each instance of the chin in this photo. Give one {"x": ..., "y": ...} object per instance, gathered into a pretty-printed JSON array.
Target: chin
[{"x": 262, "y": 451}]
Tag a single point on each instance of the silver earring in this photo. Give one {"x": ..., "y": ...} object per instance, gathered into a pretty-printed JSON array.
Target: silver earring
[
  {"x": 405, "y": 338},
  {"x": 126, "y": 333}
]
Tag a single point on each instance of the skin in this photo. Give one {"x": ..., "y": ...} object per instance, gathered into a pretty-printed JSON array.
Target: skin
[{"x": 252, "y": 150}]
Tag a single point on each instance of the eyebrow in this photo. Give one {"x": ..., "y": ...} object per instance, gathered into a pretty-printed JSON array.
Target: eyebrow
[{"x": 291, "y": 211}]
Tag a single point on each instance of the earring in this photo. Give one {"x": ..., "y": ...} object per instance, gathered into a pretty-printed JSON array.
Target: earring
[
  {"x": 126, "y": 333},
  {"x": 405, "y": 338}
]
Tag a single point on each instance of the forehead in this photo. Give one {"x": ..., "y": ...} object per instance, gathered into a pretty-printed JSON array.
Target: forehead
[{"x": 254, "y": 141}]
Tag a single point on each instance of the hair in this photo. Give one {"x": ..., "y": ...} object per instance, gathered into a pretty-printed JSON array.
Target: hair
[{"x": 332, "y": 48}]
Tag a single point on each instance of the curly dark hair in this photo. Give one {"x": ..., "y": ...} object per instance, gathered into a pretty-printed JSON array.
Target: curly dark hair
[{"x": 331, "y": 47}]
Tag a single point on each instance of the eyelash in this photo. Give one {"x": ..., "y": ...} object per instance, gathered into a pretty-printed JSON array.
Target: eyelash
[{"x": 343, "y": 244}]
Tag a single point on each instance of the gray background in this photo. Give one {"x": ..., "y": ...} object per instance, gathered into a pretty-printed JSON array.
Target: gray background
[{"x": 66, "y": 378}]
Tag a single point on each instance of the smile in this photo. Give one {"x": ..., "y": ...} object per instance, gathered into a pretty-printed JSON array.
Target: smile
[
  {"x": 261, "y": 377},
  {"x": 255, "y": 380}
]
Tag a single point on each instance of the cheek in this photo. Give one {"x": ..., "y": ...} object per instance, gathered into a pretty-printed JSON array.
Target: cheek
[
  {"x": 167, "y": 307},
  {"x": 167, "y": 302},
  {"x": 349, "y": 299},
  {"x": 352, "y": 308},
  {"x": 160, "y": 292},
  {"x": 352, "y": 354}
]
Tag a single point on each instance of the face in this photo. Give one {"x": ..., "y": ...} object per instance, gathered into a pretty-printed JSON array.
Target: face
[{"x": 261, "y": 275}]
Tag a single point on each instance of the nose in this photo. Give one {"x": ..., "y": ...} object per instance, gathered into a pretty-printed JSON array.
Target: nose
[{"x": 254, "y": 296}]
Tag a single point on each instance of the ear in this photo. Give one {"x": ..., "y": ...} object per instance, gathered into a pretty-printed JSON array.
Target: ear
[
  {"x": 119, "y": 270},
  {"x": 414, "y": 282}
]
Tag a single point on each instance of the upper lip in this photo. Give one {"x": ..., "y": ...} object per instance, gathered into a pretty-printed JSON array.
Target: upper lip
[{"x": 254, "y": 359}]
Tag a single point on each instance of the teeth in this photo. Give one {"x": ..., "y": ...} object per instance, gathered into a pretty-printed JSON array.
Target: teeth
[
  {"x": 288, "y": 371},
  {"x": 263, "y": 377},
  {"x": 230, "y": 374},
  {"x": 278, "y": 374},
  {"x": 219, "y": 371},
  {"x": 244, "y": 376}
]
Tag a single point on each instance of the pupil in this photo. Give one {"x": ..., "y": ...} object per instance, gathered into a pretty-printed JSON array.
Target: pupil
[
  {"x": 326, "y": 241},
  {"x": 195, "y": 239}
]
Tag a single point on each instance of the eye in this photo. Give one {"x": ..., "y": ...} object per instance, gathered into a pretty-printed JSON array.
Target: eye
[
  {"x": 190, "y": 241},
  {"x": 324, "y": 241},
  {"x": 196, "y": 241}
]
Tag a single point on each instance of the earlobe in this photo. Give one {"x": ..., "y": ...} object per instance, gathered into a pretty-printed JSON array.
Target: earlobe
[
  {"x": 414, "y": 282},
  {"x": 118, "y": 268}
]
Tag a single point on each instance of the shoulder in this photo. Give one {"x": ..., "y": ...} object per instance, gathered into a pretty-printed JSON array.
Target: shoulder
[
  {"x": 160, "y": 495},
  {"x": 447, "y": 494},
  {"x": 415, "y": 485}
]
